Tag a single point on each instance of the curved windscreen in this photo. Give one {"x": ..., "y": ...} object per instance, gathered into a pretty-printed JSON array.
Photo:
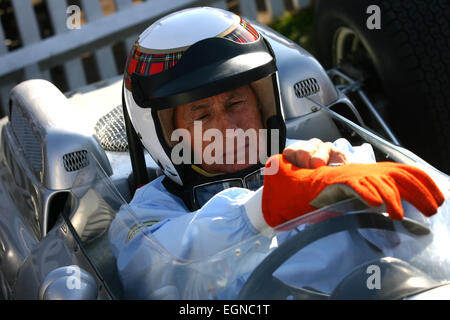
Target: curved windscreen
[{"x": 329, "y": 246}]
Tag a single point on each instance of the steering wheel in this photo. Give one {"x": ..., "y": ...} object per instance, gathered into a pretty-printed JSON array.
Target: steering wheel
[{"x": 262, "y": 284}]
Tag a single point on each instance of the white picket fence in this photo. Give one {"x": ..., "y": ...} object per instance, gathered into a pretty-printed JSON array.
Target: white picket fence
[{"x": 96, "y": 36}]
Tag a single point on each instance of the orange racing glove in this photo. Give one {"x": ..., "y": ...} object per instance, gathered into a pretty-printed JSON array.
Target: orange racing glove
[{"x": 293, "y": 191}]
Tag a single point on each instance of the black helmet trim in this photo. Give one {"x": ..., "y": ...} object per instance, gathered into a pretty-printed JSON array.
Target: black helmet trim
[{"x": 199, "y": 75}]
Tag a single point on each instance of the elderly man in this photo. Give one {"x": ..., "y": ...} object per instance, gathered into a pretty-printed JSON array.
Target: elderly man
[{"x": 207, "y": 76}]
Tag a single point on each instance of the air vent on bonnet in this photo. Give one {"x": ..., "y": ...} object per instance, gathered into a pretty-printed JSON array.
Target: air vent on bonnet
[
  {"x": 28, "y": 140},
  {"x": 306, "y": 87},
  {"x": 75, "y": 160},
  {"x": 110, "y": 131},
  {"x": 49, "y": 135},
  {"x": 52, "y": 134}
]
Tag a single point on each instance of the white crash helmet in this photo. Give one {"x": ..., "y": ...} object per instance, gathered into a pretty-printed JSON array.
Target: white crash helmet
[{"x": 190, "y": 55}]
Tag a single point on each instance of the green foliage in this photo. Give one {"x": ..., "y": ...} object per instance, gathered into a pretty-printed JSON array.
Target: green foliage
[{"x": 298, "y": 27}]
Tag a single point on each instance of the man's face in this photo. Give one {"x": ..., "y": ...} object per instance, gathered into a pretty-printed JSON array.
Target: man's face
[{"x": 235, "y": 109}]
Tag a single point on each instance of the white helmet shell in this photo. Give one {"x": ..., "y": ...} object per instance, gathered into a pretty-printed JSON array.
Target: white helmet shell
[{"x": 181, "y": 29}]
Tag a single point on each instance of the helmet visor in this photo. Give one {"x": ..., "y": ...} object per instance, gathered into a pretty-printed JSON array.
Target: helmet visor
[{"x": 207, "y": 68}]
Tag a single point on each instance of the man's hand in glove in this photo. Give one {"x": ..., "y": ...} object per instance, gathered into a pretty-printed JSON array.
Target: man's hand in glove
[{"x": 294, "y": 191}]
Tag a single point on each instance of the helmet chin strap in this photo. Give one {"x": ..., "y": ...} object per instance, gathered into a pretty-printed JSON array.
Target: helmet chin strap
[{"x": 204, "y": 172}]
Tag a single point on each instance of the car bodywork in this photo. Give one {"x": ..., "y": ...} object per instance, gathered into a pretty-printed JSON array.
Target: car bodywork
[{"x": 47, "y": 140}]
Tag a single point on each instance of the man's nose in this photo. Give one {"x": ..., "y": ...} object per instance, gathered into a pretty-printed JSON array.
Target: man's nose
[{"x": 225, "y": 121}]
